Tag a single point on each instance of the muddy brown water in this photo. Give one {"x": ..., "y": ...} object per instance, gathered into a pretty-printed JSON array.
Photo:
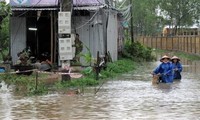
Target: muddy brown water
[{"x": 130, "y": 96}]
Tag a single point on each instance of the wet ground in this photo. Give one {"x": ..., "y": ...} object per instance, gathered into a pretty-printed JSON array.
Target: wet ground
[{"x": 130, "y": 96}]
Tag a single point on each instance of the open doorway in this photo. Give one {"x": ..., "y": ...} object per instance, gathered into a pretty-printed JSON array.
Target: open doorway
[{"x": 39, "y": 35}]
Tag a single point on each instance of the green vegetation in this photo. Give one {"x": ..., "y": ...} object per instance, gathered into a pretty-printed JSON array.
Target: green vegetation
[
  {"x": 150, "y": 16},
  {"x": 5, "y": 11},
  {"x": 27, "y": 84},
  {"x": 24, "y": 85},
  {"x": 137, "y": 52},
  {"x": 113, "y": 69}
]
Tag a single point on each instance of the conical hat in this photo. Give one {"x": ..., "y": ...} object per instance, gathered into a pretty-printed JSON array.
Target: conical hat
[
  {"x": 175, "y": 57},
  {"x": 163, "y": 57}
]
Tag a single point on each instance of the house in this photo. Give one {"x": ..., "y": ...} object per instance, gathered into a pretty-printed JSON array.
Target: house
[
  {"x": 182, "y": 30},
  {"x": 34, "y": 25}
]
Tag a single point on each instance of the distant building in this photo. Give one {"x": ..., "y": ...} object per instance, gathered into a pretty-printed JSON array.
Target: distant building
[{"x": 171, "y": 31}]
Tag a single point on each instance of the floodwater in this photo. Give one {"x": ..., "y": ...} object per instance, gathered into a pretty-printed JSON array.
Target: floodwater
[{"x": 130, "y": 96}]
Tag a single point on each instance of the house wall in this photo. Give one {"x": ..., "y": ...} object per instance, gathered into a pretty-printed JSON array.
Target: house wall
[
  {"x": 112, "y": 35},
  {"x": 90, "y": 32},
  {"x": 18, "y": 36}
]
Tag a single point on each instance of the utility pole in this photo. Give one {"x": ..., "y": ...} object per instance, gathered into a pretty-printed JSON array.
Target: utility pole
[
  {"x": 65, "y": 39},
  {"x": 132, "y": 35}
]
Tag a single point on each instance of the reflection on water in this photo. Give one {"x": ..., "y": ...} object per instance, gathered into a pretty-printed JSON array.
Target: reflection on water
[{"x": 130, "y": 96}]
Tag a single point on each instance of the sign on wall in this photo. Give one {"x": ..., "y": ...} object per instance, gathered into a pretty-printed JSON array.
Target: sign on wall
[
  {"x": 65, "y": 49},
  {"x": 64, "y": 22}
]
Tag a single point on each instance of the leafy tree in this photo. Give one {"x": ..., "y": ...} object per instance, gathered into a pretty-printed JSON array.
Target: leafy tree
[
  {"x": 5, "y": 11},
  {"x": 180, "y": 12},
  {"x": 144, "y": 16},
  {"x": 150, "y": 16}
]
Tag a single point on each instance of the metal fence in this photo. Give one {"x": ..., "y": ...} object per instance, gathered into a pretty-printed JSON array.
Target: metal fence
[{"x": 188, "y": 44}]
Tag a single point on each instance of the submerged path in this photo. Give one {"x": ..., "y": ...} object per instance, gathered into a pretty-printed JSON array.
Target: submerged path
[{"x": 130, "y": 96}]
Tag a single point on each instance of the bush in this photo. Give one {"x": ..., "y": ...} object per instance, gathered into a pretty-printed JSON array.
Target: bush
[{"x": 137, "y": 51}]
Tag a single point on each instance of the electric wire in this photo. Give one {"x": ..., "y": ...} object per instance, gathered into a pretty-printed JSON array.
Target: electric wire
[
  {"x": 87, "y": 21},
  {"x": 29, "y": 10}
]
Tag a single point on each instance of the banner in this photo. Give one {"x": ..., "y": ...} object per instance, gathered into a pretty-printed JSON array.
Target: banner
[{"x": 33, "y": 3}]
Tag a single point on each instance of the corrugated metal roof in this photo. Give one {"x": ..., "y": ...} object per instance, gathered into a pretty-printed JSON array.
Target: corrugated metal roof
[
  {"x": 88, "y": 8},
  {"x": 88, "y": 2},
  {"x": 22, "y": 9},
  {"x": 20, "y": 5}
]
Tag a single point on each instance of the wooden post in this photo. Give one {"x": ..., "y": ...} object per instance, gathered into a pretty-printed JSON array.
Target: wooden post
[
  {"x": 187, "y": 45},
  {"x": 36, "y": 80},
  {"x": 161, "y": 39},
  {"x": 179, "y": 43},
  {"x": 156, "y": 42},
  {"x": 52, "y": 36},
  {"x": 191, "y": 41},
  {"x": 195, "y": 42},
  {"x": 65, "y": 6},
  {"x": 172, "y": 43},
  {"x": 97, "y": 69},
  {"x": 184, "y": 44},
  {"x": 166, "y": 48},
  {"x": 55, "y": 37},
  {"x": 143, "y": 40},
  {"x": 132, "y": 35}
]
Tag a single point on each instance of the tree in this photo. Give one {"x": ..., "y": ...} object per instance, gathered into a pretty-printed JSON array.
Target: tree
[
  {"x": 180, "y": 12},
  {"x": 145, "y": 20},
  {"x": 5, "y": 11},
  {"x": 150, "y": 16}
]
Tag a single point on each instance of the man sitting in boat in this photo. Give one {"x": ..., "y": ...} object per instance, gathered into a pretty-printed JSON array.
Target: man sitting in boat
[
  {"x": 177, "y": 67},
  {"x": 164, "y": 70}
]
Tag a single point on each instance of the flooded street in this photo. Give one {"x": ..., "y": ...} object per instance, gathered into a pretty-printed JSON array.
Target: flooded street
[{"x": 130, "y": 96}]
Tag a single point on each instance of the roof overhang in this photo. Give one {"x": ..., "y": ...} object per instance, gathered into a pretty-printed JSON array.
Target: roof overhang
[
  {"x": 88, "y": 7},
  {"x": 32, "y": 9},
  {"x": 88, "y": 2}
]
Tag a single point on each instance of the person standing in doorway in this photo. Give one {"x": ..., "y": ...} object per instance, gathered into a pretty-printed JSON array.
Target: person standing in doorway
[{"x": 78, "y": 47}]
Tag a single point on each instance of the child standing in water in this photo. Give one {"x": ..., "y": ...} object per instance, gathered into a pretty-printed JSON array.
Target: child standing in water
[{"x": 164, "y": 70}]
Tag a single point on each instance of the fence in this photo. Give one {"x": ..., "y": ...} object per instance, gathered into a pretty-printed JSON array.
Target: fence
[{"x": 188, "y": 44}]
